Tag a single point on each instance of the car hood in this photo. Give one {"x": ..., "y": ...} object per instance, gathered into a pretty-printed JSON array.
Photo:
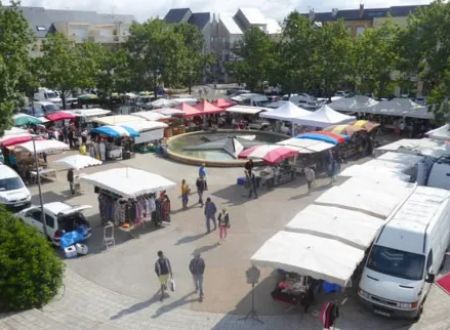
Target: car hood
[
  {"x": 390, "y": 287},
  {"x": 15, "y": 195}
]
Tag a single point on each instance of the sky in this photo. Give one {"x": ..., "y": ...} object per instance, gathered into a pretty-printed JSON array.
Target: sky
[{"x": 145, "y": 9}]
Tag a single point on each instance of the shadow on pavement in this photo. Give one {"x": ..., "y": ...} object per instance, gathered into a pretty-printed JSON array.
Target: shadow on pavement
[
  {"x": 205, "y": 248},
  {"x": 178, "y": 303},
  {"x": 136, "y": 307},
  {"x": 189, "y": 239}
]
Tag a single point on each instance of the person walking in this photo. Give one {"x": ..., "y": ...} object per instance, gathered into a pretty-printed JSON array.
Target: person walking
[
  {"x": 197, "y": 268},
  {"x": 310, "y": 176},
  {"x": 249, "y": 167},
  {"x": 202, "y": 174},
  {"x": 252, "y": 185},
  {"x": 163, "y": 270},
  {"x": 201, "y": 183},
  {"x": 224, "y": 224},
  {"x": 70, "y": 179},
  {"x": 210, "y": 214},
  {"x": 185, "y": 190}
]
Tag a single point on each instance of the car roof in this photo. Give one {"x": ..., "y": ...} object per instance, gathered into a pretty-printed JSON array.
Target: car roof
[{"x": 7, "y": 172}]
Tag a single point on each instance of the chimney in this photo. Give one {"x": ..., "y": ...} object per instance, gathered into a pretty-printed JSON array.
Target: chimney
[
  {"x": 334, "y": 12},
  {"x": 361, "y": 10},
  {"x": 311, "y": 15}
]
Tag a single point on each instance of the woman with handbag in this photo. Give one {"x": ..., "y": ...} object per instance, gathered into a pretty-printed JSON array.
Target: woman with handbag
[{"x": 224, "y": 224}]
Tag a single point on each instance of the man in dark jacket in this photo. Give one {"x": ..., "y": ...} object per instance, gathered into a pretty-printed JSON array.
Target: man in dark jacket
[
  {"x": 163, "y": 270},
  {"x": 210, "y": 214},
  {"x": 201, "y": 187},
  {"x": 197, "y": 268},
  {"x": 70, "y": 179}
]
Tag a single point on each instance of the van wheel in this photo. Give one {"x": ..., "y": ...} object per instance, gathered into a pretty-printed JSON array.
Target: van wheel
[{"x": 419, "y": 313}]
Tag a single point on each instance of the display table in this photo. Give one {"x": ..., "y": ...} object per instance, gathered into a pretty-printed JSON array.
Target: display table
[
  {"x": 47, "y": 174},
  {"x": 115, "y": 153}
]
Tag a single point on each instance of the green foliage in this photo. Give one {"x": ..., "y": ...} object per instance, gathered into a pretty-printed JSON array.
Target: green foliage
[
  {"x": 31, "y": 273},
  {"x": 257, "y": 59},
  {"x": 375, "y": 58},
  {"x": 15, "y": 38}
]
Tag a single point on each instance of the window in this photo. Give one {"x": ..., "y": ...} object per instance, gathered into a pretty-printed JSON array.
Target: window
[
  {"x": 396, "y": 263},
  {"x": 41, "y": 28},
  {"x": 36, "y": 215},
  {"x": 10, "y": 184},
  {"x": 360, "y": 30},
  {"x": 50, "y": 221}
]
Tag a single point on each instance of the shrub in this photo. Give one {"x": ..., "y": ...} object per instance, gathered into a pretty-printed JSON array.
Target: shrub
[{"x": 30, "y": 270}]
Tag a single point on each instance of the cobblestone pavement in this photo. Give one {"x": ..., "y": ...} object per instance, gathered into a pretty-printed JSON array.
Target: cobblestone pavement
[{"x": 116, "y": 289}]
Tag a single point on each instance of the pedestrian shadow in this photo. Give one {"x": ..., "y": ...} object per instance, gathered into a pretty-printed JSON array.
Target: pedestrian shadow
[
  {"x": 205, "y": 248},
  {"x": 233, "y": 195},
  {"x": 189, "y": 239},
  {"x": 136, "y": 307},
  {"x": 178, "y": 303}
]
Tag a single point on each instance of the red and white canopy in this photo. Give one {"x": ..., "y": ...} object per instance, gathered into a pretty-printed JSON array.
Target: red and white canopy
[
  {"x": 207, "y": 108},
  {"x": 189, "y": 110},
  {"x": 60, "y": 115},
  {"x": 271, "y": 154}
]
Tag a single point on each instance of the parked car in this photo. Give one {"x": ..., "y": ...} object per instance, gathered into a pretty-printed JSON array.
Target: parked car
[
  {"x": 13, "y": 192},
  {"x": 40, "y": 109},
  {"x": 59, "y": 217},
  {"x": 342, "y": 93}
]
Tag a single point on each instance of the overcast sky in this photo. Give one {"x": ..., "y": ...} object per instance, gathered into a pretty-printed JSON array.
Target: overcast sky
[{"x": 144, "y": 9}]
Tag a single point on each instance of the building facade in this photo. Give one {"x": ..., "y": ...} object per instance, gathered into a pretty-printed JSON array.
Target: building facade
[{"x": 78, "y": 26}]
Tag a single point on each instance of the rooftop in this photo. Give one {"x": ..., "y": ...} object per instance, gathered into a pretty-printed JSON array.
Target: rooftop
[
  {"x": 200, "y": 20},
  {"x": 230, "y": 24},
  {"x": 253, "y": 16},
  {"x": 176, "y": 15}
]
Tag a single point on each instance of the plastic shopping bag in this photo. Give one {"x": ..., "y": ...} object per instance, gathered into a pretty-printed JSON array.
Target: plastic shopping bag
[{"x": 172, "y": 284}]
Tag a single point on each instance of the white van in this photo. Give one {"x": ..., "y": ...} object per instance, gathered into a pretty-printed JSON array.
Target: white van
[
  {"x": 13, "y": 192},
  {"x": 407, "y": 254},
  {"x": 45, "y": 94}
]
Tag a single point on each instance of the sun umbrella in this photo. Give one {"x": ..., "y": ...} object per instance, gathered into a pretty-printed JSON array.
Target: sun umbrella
[
  {"x": 10, "y": 140},
  {"x": 22, "y": 119},
  {"x": 365, "y": 124},
  {"x": 271, "y": 154},
  {"x": 60, "y": 115},
  {"x": 116, "y": 131},
  {"x": 78, "y": 162}
]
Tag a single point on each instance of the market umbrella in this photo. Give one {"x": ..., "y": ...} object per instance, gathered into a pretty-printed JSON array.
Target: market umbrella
[
  {"x": 87, "y": 97},
  {"x": 60, "y": 115},
  {"x": 346, "y": 129},
  {"x": 78, "y": 162},
  {"x": 10, "y": 140},
  {"x": 47, "y": 146},
  {"x": 366, "y": 125},
  {"x": 207, "y": 108},
  {"x": 271, "y": 154},
  {"x": 22, "y": 119},
  {"x": 116, "y": 131}
]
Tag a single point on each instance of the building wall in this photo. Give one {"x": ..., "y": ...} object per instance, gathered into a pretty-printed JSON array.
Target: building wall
[
  {"x": 399, "y": 21},
  {"x": 357, "y": 27}
]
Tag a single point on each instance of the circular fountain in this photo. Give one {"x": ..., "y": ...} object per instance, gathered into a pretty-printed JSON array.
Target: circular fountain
[{"x": 218, "y": 148}]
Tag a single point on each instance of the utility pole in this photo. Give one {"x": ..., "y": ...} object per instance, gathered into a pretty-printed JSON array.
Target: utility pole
[{"x": 38, "y": 175}]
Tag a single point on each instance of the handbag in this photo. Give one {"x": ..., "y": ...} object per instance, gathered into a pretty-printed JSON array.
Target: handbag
[{"x": 172, "y": 285}]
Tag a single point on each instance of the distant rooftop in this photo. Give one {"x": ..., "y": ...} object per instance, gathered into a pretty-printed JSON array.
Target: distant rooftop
[
  {"x": 254, "y": 16},
  {"x": 176, "y": 15},
  {"x": 272, "y": 26},
  {"x": 200, "y": 19},
  {"x": 230, "y": 24}
]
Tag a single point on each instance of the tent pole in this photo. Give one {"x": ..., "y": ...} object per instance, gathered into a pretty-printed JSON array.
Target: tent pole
[{"x": 38, "y": 176}]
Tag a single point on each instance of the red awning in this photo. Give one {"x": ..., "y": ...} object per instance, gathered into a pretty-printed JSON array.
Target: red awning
[
  {"x": 207, "y": 108},
  {"x": 223, "y": 103},
  {"x": 188, "y": 110},
  {"x": 60, "y": 115},
  {"x": 12, "y": 140}
]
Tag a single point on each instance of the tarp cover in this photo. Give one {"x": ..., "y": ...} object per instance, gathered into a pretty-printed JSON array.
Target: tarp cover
[
  {"x": 355, "y": 103},
  {"x": 117, "y": 120},
  {"x": 318, "y": 257},
  {"x": 47, "y": 146},
  {"x": 324, "y": 117},
  {"x": 89, "y": 113},
  {"x": 368, "y": 171},
  {"x": 247, "y": 109},
  {"x": 440, "y": 133},
  {"x": 143, "y": 126},
  {"x": 409, "y": 160},
  {"x": 424, "y": 147},
  {"x": 306, "y": 146},
  {"x": 128, "y": 181},
  {"x": 375, "y": 196},
  {"x": 150, "y": 115},
  {"x": 401, "y": 107},
  {"x": 347, "y": 226}
]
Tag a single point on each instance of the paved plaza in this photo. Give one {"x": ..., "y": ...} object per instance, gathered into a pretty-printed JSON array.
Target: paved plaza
[{"x": 118, "y": 289}]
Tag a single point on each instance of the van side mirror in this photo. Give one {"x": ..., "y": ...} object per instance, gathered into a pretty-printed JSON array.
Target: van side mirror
[{"x": 430, "y": 278}]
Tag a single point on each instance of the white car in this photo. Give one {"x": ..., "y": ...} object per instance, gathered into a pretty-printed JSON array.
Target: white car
[
  {"x": 59, "y": 217},
  {"x": 13, "y": 192}
]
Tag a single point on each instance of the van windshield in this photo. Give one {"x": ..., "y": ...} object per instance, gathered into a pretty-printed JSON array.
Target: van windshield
[
  {"x": 396, "y": 263},
  {"x": 10, "y": 184}
]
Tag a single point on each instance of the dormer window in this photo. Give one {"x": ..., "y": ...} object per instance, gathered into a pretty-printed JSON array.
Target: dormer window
[{"x": 41, "y": 28}]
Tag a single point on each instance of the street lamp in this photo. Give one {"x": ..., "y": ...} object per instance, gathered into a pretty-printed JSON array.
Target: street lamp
[{"x": 38, "y": 176}]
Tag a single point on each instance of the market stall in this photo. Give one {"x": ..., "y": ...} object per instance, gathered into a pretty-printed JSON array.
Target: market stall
[
  {"x": 424, "y": 147},
  {"x": 60, "y": 116},
  {"x": 151, "y": 115},
  {"x": 128, "y": 197},
  {"x": 113, "y": 142},
  {"x": 323, "y": 117},
  {"x": 357, "y": 103},
  {"x": 246, "y": 116},
  {"x": 224, "y": 103},
  {"x": 86, "y": 116},
  {"x": 287, "y": 112},
  {"x": 150, "y": 134},
  {"x": 78, "y": 162},
  {"x": 22, "y": 119}
]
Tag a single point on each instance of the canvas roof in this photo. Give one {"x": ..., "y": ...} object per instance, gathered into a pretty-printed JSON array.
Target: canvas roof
[
  {"x": 189, "y": 110},
  {"x": 309, "y": 255},
  {"x": 287, "y": 112},
  {"x": 116, "y": 120},
  {"x": 440, "y": 133},
  {"x": 324, "y": 117},
  {"x": 353, "y": 104},
  {"x": 425, "y": 147},
  {"x": 144, "y": 126},
  {"x": 128, "y": 182},
  {"x": 306, "y": 146},
  {"x": 230, "y": 24},
  {"x": 247, "y": 109},
  {"x": 401, "y": 107},
  {"x": 347, "y": 226},
  {"x": 205, "y": 107}
]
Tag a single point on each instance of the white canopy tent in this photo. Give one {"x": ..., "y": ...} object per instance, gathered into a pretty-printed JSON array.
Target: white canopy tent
[
  {"x": 409, "y": 160},
  {"x": 355, "y": 103},
  {"x": 354, "y": 228},
  {"x": 89, "y": 113},
  {"x": 128, "y": 182},
  {"x": 47, "y": 146},
  {"x": 309, "y": 255},
  {"x": 78, "y": 162},
  {"x": 287, "y": 112},
  {"x": 117, "y": 120},
  {"x": 247, "y": 109},
  {"x": 424, "y": 147},
  {"x": 150, "y": 115},
  {"x": 148, "y": 130},
  {"x": 377, "y": 197},
  {"x": 363, "y": 171},
  {"x": 324, "y": 117},
  {"x": 401, "y": 107},
  {"x": 15, "y": 131},
  {"x": 441, "y": 133},
  {"x": 306, "y": 146}
]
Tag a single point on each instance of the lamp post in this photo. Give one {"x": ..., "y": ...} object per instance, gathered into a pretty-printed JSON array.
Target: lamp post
[{"x": 38, "y": 176}]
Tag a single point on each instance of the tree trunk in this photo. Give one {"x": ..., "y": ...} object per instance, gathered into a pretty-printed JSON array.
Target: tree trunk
[{"x": 63, "y": 98}]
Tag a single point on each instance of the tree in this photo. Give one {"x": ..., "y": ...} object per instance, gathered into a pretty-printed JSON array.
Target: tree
[
  {"x": 375, "y": 58},
  {"x": 157, "y": 55},
  {"x": 257, "y": 58},
  {"x": 31, "y": 272},
  {"x": 60, "y": 65},
  {"x": 331, "y": 52},
  {"x": 425, "y": 48},
  {"x": 15, "y": 38},
  {"x": 295, "y": 61}
]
